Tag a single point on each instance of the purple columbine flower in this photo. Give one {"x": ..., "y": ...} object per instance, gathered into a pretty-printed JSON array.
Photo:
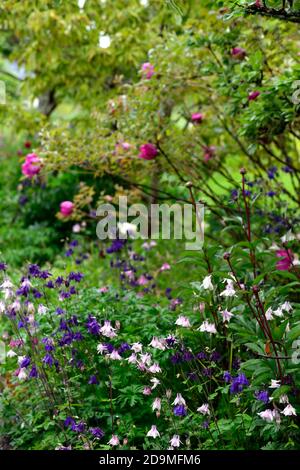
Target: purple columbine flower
[
  {"x": 3, "y": 267},
  {"x": 239, "y": 383},
  {"x": 50, "y": 285},
  {"x": 73, "y": 243},
  {"x": 263, "y": 396},
  {"x": 93, "y": 380},
  {"x": 59, "y": 311},
  {"x": 59, "y": 280},
  {"x": 215, "y": 356},
  {"x": 124, "y": 347},
  {"x": 25, "y": 362},
  {"x": 176, "y": 358},
  {"x": 179, "y": 410},
  {"x": 75, "y": 277},
  {"x": 93, "y": 326},
  {"x": 69, "y": 421},
  {"x": 48, "y": 359},
  {"x": 97, "y": 432},
  {"x": 202, "y": 356},
  {"x": 80, "y": 427},
  {"x": 33, "y": 373},
  {"x": 227, "y": 377}
]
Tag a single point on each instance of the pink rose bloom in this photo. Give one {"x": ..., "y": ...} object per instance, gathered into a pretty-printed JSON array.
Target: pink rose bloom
[
  {"x": 66, "y": 208},
  {"x": 148, "y": 151},
  {"x": 32, "y": 166},
  {"x": 148, "y": 70},
  {"x": 209, "y": 152},
  {"x": 286, "y": 260},
  {"x": 238, "y": 53},
  {"x": 253, "y": 95},
  {"x": 197, "y": 118}
]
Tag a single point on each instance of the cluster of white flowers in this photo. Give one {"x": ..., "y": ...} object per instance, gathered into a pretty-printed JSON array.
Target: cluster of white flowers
[{"x": 286, "y": 307}]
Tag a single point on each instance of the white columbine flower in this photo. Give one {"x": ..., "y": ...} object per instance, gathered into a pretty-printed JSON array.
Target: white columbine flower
[
  {"x": 158, "y": 343},
  {"x": 155, "y": 382},
  {"x": 115, "y": 356},
  {"x": 289, "y": 410},
  {"x": 267, "y": 415},
  {"x": 175, "y": 441},
  {"x": 153, "y": 432},
  {"x": 108, "y": 330},
  {"x": 286, "y": 306},
  {"x": 274, "y": 384},
  {"x": 207, "y": 284},
  {"x": 278, "y": 312},
  {"x": 156, "y": 405},
  {"x": 208, "y": 327},
  {"x": 114, "y": 441},
  {"x": 146, "y": 358},
  {"x": 2, "y": 307},
  {"x": 155, "y": 368},
  {"x": 269, "y": 314},
  {"x": 11, "y": 353},
  {"x": 284, "y": 399},
  {"x": 183, "y": 321},
  {"x": 132, "y": 359},
  {"x": 42, "y": 309},
  {"x": 101, "y": 348},
  {"x": 226, "y": 315},
  {"x": 22, "y": 375},
  {"x": 229, "y": 290},
  {"x": 204, "y": 409},
  {"x": 179, "y": 400},
  {"x": 137, "y": 347}
]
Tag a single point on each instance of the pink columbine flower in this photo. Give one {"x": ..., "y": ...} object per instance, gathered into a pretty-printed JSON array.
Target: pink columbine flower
[
  {"x": 208, "y": 327},
  {"x": 155, "y": 368},
  {"x": 137, "y": 347},
  {"x": 289, "y": 410},
  {"x": 114, "y": 441},
  {"x": 107, "y": 330},
  {"x": 197, "y": 118},
  {"x": 209, "y": 152},
  {"x": 146, "y": 358},
  {"x": 165, "y": 267},
  {"x": 103, "y": 289},
  {"x": 66, "y": 208},
  {"x": 204, "y": 409},
  {"x": 147, "y": 391},
  {"x": 267, "y": 415},
  {"x": 183, "y": 321},
  {"x": 158, "y": 343},
  {"x": 142, "y": 280},
  {"x": 175, "y": 441},
  {"x": 253, "y": 95},
  {"x": 229, "y": 291},
  {"x": 226, "y": 315},
  {"x": 153, "y": 432},
  {"x": 156, "y": 405},
  {"x": 179, "y": 400},
  {"x": 147, "y": 70},
  {"x": 286, "y": 260},
  {"x": 115, "y": 356},
  {"x": 238, "y": 53},
  {"x": 32, "y": 165},
  {"x": 132, "y": 359},
  {"x": 148, "y": 151}
]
